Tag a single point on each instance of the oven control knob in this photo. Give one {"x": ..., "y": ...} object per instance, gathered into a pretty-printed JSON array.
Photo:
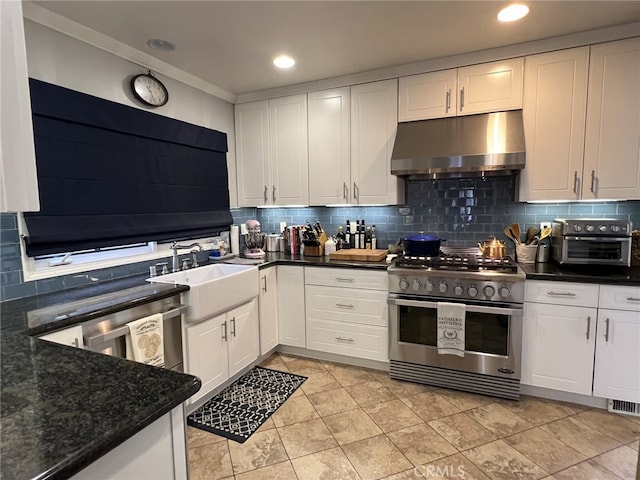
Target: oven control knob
[
  {"x": 443, "y": 287},
  {"x": 429, "y": 286},
  {"x": 404, "y": 284},
  {"x": 589, "y": 228},
  {"x": 602, "y": 228},
  {"x": 615, "y": 228},
  {"x": 577, "y": 227},
  {"x": 489, "y": 291},
  {"x": 472, "y": 291},
  {"x": 416, "y": 285},
  {"x": 458, "y": 290},
  {"x": 504, "y": 291}
]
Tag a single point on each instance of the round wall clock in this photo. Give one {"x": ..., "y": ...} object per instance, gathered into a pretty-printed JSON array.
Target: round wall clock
[{"x": 149, "y": 90}]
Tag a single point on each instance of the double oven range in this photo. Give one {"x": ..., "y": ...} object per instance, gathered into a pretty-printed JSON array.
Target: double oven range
[{"x": 492, "y": 291}]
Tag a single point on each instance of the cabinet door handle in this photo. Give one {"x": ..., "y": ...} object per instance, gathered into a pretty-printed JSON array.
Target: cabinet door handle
[
  {"x": 233, "y": 326},
  {"x": 633, "y": 299},
  {"x": 561, "y": 294},
  {"x": 345, "y": 191},
  {"x": 344, "y": 279},
  {"x": 356, "y": 191},
  {"x": 606, "y": 333},
  {"x": 342, "y": 339},
  {"x": 76, "y": 342},
  {"x": 224, "y": 332},
  {"x": 448, "y": 104},
  {"x": 265, "y": 194},
  {"x": 461, "y": 98},
  {"x": 593, "y": 181},
  {"x": 264, "y": 283},
  {"x": 575, "y": 182},
  {"x": 273, "y": 193},
  {"x": 588, "y": 326},
  {"x": 345, "y": 305}
]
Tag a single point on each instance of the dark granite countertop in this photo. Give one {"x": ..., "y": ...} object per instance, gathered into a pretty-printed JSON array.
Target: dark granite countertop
[
  {"x": 63, "y": 407},
  {"x": 277, "y": 258},
  {"x": 583, "y": 274}
]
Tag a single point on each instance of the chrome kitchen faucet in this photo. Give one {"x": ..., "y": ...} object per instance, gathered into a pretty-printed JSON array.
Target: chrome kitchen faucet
[{"x": 194, "y": 247}]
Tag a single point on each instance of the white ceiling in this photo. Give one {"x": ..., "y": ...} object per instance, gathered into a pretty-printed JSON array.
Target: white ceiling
[{"x": 230, "y": 44}]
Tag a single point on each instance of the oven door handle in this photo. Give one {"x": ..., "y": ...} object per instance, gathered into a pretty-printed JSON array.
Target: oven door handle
[
  {"x": 599, "y": 239},
  {"x": 470, "y": 308},
  {"x": 124, "y": 329}
]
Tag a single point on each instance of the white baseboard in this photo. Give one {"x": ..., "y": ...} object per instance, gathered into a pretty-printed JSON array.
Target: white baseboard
[
  {"x": 577, "y": 398},
  {"x": 334, "y": 357}
]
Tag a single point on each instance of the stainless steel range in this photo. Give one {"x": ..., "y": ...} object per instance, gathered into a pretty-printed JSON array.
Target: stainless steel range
[{"x": 489, "y": 293}]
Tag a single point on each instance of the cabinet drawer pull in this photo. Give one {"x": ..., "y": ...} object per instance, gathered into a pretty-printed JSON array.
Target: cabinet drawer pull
[
  {"x": 606, "y": 333},
  {"x": 233, "y": 326},
  {"x": 345, "y": 305},
  {"x": 593, "y": 181},
  {"x": 575, "y": 182},
  {"x": 588, "y": 326},
  {"x": 344, "y": 279},
  {"x": 224, "y": 331},
  {"x": 76, "y": 342},
  {"x": 633, "y": 299},
  {"x": 264, "y": 283},
  {"x": 341, "y": 339},
  {"x": 560, "y": 294}
]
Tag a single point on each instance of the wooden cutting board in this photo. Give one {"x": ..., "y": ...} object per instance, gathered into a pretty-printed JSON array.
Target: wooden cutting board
[{"x": 359, "y": 254}]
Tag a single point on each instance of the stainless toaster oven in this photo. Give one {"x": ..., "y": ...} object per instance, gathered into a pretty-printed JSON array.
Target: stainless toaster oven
[{"x": 591, "y": 241}]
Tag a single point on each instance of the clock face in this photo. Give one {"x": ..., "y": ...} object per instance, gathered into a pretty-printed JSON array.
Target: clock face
[{"x": 149, "y": 90}]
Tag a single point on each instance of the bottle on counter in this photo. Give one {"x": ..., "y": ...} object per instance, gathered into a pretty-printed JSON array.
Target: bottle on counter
[
  {"x": 374, "y": 240},
  {"x": 367, "y": 239},
  {"x": 363, "y": 235},
  {"x": 357, "y": 235},
  {"x": 347, "y": 235}
]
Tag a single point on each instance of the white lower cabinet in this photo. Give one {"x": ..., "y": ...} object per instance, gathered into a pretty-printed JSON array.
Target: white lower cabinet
[
  {"x": 617, "y": 363},
  {"x": 346, "y": 312},
  {"x": 218, "y": 348},
  {"x": 71, "y": 336},
  {"x": 557, "y": 347},
  {"x": 268, "y": 305},
  {"x": 158, "y": 452},
  {"x": 291, "y": 322},
  {"x": 590, "y": 349}
]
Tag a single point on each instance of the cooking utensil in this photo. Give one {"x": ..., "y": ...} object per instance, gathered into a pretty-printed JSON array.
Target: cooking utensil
[
  {"x": 509, "y": 234},
  {"x": 531, "y": 232},
  {"x": 421, "y": 245},
  {"x": 515, "y": 228},
  {"x": 493, "y": 248},
  {"x": 545, "y": 233}
]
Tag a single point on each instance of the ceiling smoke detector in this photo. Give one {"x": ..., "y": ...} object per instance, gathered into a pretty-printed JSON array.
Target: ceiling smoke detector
[{"x": 158, "y": 44}]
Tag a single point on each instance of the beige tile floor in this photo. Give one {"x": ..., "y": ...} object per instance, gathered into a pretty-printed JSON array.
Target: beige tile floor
[{"x": 350, "y": 422}]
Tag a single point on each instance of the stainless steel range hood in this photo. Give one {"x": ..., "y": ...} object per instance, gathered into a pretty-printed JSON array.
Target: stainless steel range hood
[{"x": 466, "y": 146}]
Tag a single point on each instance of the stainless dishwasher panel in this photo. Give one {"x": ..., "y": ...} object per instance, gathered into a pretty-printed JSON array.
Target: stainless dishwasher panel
[{"x": 107, "y": 334}]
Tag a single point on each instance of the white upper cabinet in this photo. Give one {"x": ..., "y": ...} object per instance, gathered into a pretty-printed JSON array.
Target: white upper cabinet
[
  {"x": 18, "y": 176},
  {"x": 374, "y": 120},
  {"x": 554, "y": 107},
  {"x": 581, "y": 115},
  {"x": 612, "y": 144},
  {"x": 329, "y": 146},
  {"x": 271, "y": 152},
  {"x": 487, "y": 87}
]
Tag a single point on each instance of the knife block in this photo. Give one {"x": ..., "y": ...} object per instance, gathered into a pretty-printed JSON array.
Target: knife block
[{"x": 316, "y": 250}]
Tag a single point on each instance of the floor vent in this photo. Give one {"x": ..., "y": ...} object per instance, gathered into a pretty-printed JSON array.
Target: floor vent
[{"x": 627, "y": 408}]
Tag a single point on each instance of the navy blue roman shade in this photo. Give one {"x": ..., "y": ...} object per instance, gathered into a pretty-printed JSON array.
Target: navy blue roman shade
[{"x": 110, "y": 174}]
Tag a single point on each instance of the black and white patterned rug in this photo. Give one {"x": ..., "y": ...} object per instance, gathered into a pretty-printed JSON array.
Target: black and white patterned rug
[{"x": 239, "y": 410}]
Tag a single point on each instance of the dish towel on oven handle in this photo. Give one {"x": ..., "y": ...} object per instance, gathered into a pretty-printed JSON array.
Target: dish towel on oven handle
[
  {"x": 145, "y": 343},
  {"x": 451, "y": 321}
]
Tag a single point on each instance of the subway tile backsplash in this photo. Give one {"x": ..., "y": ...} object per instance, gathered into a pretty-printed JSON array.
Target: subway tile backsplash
[{"x": 462, "y": 211}]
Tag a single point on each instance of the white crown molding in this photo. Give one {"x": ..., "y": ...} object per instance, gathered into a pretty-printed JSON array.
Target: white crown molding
[
  {"x": 517, "y": 50},
  {"x": 87, "y": 35}
]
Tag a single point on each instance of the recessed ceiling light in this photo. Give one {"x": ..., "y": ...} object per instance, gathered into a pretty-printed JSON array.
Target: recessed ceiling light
[
  {"x": 513, "y": 12},
  {"x": 159, "y": 44},
  {"x": 284, "y": 61}
]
